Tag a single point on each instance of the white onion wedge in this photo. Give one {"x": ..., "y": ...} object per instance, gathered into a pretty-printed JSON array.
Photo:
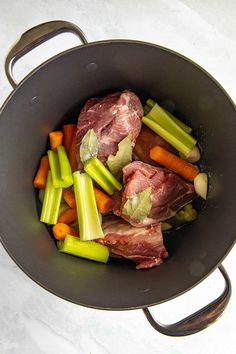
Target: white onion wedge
[
  {"x": 193, "y": 156},
  {"x": 201, "y": 185}
]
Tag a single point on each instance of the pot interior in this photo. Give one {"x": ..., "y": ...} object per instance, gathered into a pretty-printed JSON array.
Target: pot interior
[{"x": 54, "y": 94}]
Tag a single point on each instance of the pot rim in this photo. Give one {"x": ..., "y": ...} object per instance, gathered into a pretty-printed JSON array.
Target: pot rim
[{"x": 81, "y": 47}]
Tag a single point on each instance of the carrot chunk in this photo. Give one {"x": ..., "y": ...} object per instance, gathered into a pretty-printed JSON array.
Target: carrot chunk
[
  {"x": 174, "y": 163},
  {"x": 55, "y": 138},
  {"x": 72, "y": 153},
  {"x": 68, "y": 133},
  {"x": 60, "y": 230},
  {"x": 69, "y": 197},
  {"x": 68, "y": 216},
  {"x": 104, "y": 202},
  {"x": 41, "y": 176}
]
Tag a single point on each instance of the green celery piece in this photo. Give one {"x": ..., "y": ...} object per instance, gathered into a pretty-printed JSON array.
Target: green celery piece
[
  {"x": 89, "y": 249},
  {"x": 101, "y": 175},
  {"x": 122, "y": 158},
  {"x": 182, "y": 125},
  {"x": 139, "y": 205},
  {"x": 176, "y": 143},
  {"x": 51, "y": 202},
  {"x": 65, "y": 168},
  {"x": 159, "y": 116},
  {"x": 146, "y": 109},
  {"x": 183, "y": 216},
  {"x": 61, "y": 172},
  {"x": 55, "y": 168},
  {"x": 88, "y": 217},
  {"x": 151, "y": 103}
]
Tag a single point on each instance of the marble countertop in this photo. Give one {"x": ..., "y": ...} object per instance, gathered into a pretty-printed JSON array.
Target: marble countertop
[{"x": 35, "y": 321}]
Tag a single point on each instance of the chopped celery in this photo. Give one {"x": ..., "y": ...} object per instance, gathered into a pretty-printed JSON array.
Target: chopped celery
[
  {"x": 146, "y": 109},
  {"x": 51, "y": 202},
  {"x": 159, "y": 116},
  {"x": 60, "y": 167},
  {"x": 176, "y": 143},
  {"x": 151, "y": 103},
  {"x": 88, "y": 217},
  {"x": 90, "y": 249},
  {"x": 182, "y": 125},
  {"x": 101, "y": 175},
  {"x": 186, "y": 214},
  {"x": 65, "y": 168}
]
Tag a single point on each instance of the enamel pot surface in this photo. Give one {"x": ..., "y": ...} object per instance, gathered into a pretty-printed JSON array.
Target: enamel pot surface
[{"x": 53, "y": 94}]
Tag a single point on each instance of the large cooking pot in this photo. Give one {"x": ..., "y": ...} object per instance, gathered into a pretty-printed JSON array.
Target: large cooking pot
[{"x": 53, "y": 93}]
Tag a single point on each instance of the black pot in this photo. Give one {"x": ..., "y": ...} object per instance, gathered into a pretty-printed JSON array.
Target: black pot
[{"x": 55, "y": 91}]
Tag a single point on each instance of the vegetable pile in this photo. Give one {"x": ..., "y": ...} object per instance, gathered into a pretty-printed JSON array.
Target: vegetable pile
[{"x": 77, "y": 190}]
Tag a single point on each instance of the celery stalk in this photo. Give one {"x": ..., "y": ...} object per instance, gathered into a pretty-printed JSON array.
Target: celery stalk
[
  {"x": 183, "y": 216},
  {"x": 176, "y": 143},
  {"x": 101, "y": 175},
  {"x": 88, "y": 218},
  {"x": 182, "y": 125},
  {"x": 151, "y": 103},
  {"x": 159, "y": 116},
  {"x": 146, "y": 109},
  {"x": 61, "y": 170},
  {"x": 65, "y": 168},
  {"x": 51, "y": 202},
  {"x": 90, "y": 249}
]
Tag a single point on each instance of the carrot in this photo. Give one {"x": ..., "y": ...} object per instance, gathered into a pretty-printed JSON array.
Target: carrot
[
  {"x": 68, "y": 216},
  {"x": 41, "y": 176},
  {"x": 68, "y": 132},
  {"x": 104, "y": 202},
  {"x": 60, "y": 230},
  {"x": 72, "y": 153},
  {"x": 69, "y": 197},
  {"x": 174, "y": 163},
  {"x": 55, "y": 139}
]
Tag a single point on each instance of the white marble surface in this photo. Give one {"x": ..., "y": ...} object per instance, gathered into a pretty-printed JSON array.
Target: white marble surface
[{"x": 35, "y": 321}]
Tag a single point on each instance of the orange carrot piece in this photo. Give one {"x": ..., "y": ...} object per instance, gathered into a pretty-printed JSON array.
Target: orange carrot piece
[
  {"x": 41, "y": 176},
  {"x": 55, "y": 139},
  {"x": 68, "y": 133},
  {"x": 60, "y": 230},
  {"x": 104, "y": 202},
  {"x": 68, "y": 216},
  {"x": 73, "y": 152},
  {"x": 174, "y": 163},
  {"x": 69, "y": 197}
]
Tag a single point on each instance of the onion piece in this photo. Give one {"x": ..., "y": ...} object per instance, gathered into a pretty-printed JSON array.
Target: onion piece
[
  {"x": 193, "y": 156},
  {"x": 201, "y": 185}
]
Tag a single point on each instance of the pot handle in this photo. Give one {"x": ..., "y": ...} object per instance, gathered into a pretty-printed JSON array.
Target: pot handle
[
  {"x": 35, "y": 36},
  {"x": 198, "y": 320}
]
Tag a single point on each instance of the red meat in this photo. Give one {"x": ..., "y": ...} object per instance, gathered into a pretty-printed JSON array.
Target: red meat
[
  {"x": 169, "y": 193},
  {"x": 112, "y": 117},
  {"x": 143, "y": 245}
]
